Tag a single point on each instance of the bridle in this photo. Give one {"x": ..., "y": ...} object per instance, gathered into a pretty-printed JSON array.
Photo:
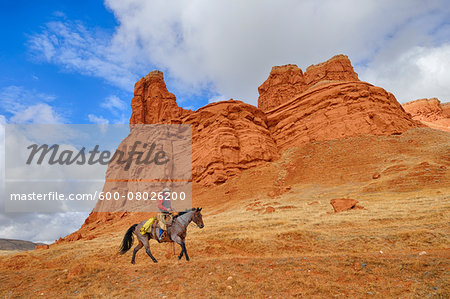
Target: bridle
[{"x": 184, "y": 229}]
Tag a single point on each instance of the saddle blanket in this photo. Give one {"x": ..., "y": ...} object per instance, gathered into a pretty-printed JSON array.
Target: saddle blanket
[{"x": 147, "y": 225}]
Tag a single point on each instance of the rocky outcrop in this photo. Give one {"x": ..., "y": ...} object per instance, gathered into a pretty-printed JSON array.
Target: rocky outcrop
[
  {"x": 425, "y": 109},
  {"x": 344, "y": 204},
  {"x": 295, "y": 108},
  {"x": 326, "y": 102},
  {"x": 228, "y": 137},
  {"x": 338, "y": 68},
  {"x": 430, "y": 112},
  {"x": 153, "y": 103},
  {"x": 446, "y": 109},
  {"x": 39, "y": 247},
  {"x": 286, "y": 82},
  {"x": 336, "y": 110}
]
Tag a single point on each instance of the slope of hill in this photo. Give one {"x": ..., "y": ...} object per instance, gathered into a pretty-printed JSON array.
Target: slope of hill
[{"x": 396, "y": 246}]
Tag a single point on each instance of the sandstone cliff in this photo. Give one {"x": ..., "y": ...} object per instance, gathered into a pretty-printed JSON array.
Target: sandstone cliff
[
  {"x": 228, "y": 137},
  {"x": 288, "y": 81},
  {"x": 153, "y": 103},
  {"x": 326, "y": 102},
  {"x": 425, "y": 109},
  {"x": 430, "y": 112},
  {"x": 336, "y": 110}
]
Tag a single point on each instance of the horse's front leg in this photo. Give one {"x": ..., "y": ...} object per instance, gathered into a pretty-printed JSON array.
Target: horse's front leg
[
  {"x": 183, "y": 246},
  {"x": 180, "y": 241}
]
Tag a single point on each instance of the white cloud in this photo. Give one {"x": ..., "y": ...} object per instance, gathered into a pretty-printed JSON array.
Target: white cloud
[
  {"x": 217, "y": 98},
  {"x": 421, "y": 72},
  {"x": 114, "y": 104},
  {"x": 98, "y": 119},
  {"x": 116, "y": 107},
  {"x": 28, "y": 106},
  {"x": 2, "y": 154},
  {"x": 75, "y": 48},
  {"x": 234, "y": 44},
  {"x": 228, "y": 47},
  {"x": 40, "y": 114},
  {"x": 40, "y": 227}
]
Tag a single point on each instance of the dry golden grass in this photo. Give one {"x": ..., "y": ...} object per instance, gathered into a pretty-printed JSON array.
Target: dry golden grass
[
  {"x": 301, "y": 249},
  {"x": 9, "y": 252}
]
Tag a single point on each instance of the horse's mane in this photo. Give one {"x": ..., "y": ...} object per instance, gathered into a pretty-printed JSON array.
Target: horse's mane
[{"x": 184, "y": 212}]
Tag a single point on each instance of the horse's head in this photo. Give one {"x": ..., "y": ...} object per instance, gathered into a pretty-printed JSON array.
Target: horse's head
[{"x": 198, "y": 218}]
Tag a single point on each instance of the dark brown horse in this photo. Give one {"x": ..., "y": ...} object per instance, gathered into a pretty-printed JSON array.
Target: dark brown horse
[{"x": 176, "y": 233}]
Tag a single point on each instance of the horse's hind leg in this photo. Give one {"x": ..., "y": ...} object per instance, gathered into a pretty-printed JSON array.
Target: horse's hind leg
[
  {"x": 136, "y": 249},
  {"x": 147, "y": 249}
]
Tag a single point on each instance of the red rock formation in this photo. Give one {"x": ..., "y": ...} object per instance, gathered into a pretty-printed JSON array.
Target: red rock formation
[
  {"x": 326, "y": 102},
  {"x": 153, "y": 103},
  {"x": 336, "y": 110},
  {"x": 446, "y": 109},
  {"x": 430, "y": 112},
  {"x": 269, "y": 210},
  {"x": 344, "y": 204},
  {"x": 38, "y": 247},
  {"x": 228, "y": 137},
  {"x": 288, "y": 81},
  {"x": 425, "y": 109},
  {"x": 283, "y": 83}
]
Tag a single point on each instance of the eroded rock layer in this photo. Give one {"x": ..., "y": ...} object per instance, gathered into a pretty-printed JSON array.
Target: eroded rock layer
[
  {"x": 425, "y": 109},
  {"x": 337, "y": 110},
  {"x": 228, "y": 137},
  {"x": 326, "y": 102},
  {"x": 430, "y": 112},
  {"x": 288, "y": 81},
  {"x": 153, "y": 103}
]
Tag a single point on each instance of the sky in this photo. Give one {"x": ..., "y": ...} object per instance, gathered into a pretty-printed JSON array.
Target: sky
[{"x": 76, "y": 62}]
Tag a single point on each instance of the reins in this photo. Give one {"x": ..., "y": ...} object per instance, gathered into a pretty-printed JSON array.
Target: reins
[{"x": 177, "y": 222}]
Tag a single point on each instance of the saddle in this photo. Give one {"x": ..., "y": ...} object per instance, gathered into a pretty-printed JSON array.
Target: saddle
[
  {"x": 155, "y": 233},
  {"x": 162, "y": 220}
]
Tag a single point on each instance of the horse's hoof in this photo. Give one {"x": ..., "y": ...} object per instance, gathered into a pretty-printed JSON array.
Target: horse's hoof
[
  {"x": 155, "y": 261},
  {"x": 133, "y": 263}
]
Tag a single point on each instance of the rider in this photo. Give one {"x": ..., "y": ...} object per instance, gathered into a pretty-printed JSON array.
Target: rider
[{"x": 165, "y": 209}]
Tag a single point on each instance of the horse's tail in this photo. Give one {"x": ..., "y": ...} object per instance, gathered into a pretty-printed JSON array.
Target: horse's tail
[{"x": 128, "y": 239}]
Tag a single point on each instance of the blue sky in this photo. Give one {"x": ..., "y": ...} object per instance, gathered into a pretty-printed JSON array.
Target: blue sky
[
  {"x": 24, "y": 75},
  {"x": 77, "y": 61},
  {"x": 74, "y": 95}
]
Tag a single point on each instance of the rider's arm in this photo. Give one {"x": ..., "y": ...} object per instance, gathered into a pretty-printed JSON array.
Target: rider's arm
[{"x": 161, "y": 207}]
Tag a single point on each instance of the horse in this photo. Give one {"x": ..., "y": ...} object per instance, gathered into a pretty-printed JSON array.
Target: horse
[{"x": 176, "y": 232}]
